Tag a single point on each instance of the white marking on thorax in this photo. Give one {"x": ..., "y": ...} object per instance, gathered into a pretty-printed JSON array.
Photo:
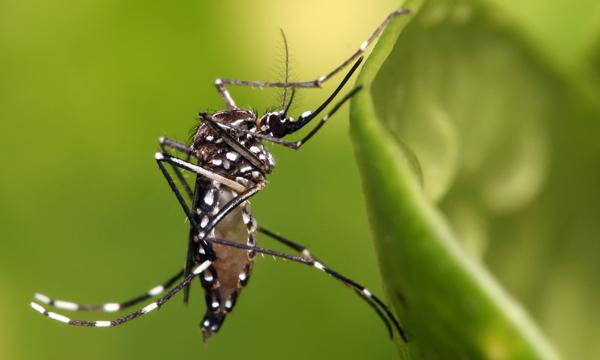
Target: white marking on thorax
[{"x": 233, "y": 156}]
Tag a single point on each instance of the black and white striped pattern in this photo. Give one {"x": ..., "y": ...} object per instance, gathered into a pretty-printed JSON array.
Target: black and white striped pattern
[
  {"x": 109, "y": 306},
  {"x": 224, "y": 284},
  {"x": 121, "y": 320},
  {"x": 376, "y": 303},
  {"x": 250, "y": 223},
  {"x": 221, "y": 83}
]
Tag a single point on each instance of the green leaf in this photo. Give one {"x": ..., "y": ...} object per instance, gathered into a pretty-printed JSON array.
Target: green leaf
[{"x": 453, "y": 87}]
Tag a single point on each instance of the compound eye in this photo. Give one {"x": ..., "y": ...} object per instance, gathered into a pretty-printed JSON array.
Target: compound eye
[
  {"x": 274, "y": 118},
  {"x": 273, "y": 124},
  {"x": 277, "y": 126}
]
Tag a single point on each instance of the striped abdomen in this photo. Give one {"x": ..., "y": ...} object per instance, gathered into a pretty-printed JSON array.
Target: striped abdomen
[{"x": 223, "y": 281}]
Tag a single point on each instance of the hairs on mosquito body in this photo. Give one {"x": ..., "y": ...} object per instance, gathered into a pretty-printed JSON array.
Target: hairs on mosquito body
[{"x": 196, "y": 125}]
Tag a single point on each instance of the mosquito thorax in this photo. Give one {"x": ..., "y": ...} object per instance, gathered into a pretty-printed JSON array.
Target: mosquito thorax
[
  {"x": 236, "y": 118},
  {"x": 221, "y": 157}
]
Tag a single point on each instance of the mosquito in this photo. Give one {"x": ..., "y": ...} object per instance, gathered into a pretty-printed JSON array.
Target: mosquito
[{"x": 230, "y": 163}]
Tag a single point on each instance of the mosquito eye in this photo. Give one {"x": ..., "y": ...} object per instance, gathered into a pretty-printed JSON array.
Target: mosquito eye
[
  {"x": 274, "y": 118},
  {"x": 275, "y": 125}
]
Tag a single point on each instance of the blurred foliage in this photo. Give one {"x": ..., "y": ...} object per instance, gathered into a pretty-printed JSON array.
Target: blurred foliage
[
  {"x": 86, "y": 90},
  {"x": 465, "y": 94}
]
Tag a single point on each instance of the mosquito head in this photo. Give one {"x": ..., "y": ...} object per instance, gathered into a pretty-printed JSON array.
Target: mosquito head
[{"x": 274, "y": 124}]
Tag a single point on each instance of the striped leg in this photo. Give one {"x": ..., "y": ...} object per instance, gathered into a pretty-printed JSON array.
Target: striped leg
[
  {"x": 175, "y": 161},
  {"x": 319, "y": 266},
  {"x": 227, "y": 208},
  {"x": 165, "y": 145},
  {"x": 221, "y": 84},
  {"x": 111, "y": 306},
  {"x": 209, "y": 221},
  {"x": 134, "y": 315},
  {"x": 244, "y": 194},
  {"x": 298, "y": 144},
  {"x": 378, "y": 306},
  {"x": 302, "y": 121},
  {"x": 161, "y": 158}
]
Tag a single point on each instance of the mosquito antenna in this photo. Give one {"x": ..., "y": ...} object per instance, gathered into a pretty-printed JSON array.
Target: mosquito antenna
[{"x": 287, "y": 71}]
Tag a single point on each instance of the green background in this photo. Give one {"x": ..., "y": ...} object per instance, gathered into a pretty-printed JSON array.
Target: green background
[{"x": 87, "y": 88}]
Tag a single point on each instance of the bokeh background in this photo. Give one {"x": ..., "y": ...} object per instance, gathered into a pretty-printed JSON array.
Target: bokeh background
[{"x": 86, "y": 88}]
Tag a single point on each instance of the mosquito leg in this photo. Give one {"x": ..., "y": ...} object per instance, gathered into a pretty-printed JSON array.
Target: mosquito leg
[
  {"x": 319, "y": 266},
  {"x": 372, "y": 300},
  {"x": 289, "y": 243},
  {"x": 297, "y": 144},
  {"x": 227, "y": 208},
  {"x": 306, "y": 117},
  {"x": 200, "y": 231},
  {"x": 364, "y": 45},
  {"x": 165, "y": 145},
  {"x": 111, "y": 306},
  {"x": 244, "y": 194},
  {"x": 193, "y": 243},
  {"x": 160, "y": 158},
  {"x": 221, "y": 83},
  {"x": 163, "y": 157},
  {"x": 136, "y": 314},
  {"x": 172, "y": 144}
]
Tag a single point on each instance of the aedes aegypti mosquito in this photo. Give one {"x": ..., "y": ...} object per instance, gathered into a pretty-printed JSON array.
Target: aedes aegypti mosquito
[{"x": 231, "y": 163}]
